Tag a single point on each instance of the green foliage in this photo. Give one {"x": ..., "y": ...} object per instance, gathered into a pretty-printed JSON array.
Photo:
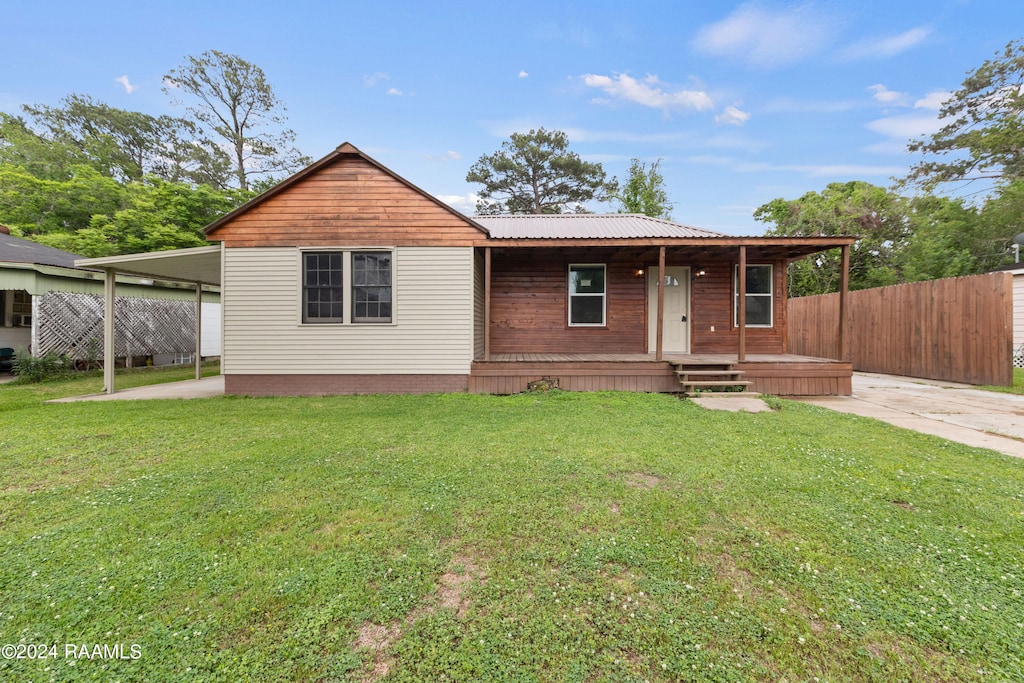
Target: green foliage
[
  {"x": 232, "y": 98},
  {"x": 950, "y": 239},
  {"x": 879, "y": 217},
  {"x": 536, "y": 173},
  {"x": 983, "y": 132},
  {"x": 41, "y": 206},
  {"x": 94, "y": 215},
  {"x": 50, "y": 366},
  {"x": 630, "y": 537},
  {"x": 644, "y": 191},
  {"x": 127, "y": 145}
]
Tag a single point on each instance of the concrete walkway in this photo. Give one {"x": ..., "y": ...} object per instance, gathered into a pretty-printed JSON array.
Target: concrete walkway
[
  {"x": 202, "y": 388},
  {"x": 957, "y": 412}
]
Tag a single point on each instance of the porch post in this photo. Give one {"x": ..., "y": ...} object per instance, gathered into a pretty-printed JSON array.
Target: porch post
[
  {"x": 661, "y": 302},
  {"x": 487, "y": 304},
  {"x": 741, "y": 306},
  {"x": 109, "y": 286},
  {"x": 844, "y": 310},
  {"x": 199, "y": 331}
]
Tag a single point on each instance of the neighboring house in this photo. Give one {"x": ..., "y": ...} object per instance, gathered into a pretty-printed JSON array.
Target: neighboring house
[
  {"x": 50, "y": 304},
  {"x": 346, "y": 278},
  {"x": 1017, "y": 271}
]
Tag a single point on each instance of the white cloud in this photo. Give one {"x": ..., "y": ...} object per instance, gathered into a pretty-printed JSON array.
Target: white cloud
[
  {"x": 466, "y": 203},
  {"x": 890, "y": 46},
  {"x": 128, "y": 87},
  {"x": 766, "y": 38},
  {"x": 394, "y": 91},
  {"x": 889, "y": 97},
  {"x": 732, "y": 116},
  {"x": 933, "y": 100},
  {"x": 788, "y": 105},
  {"x": 447, "y": 156},
  {"x": 905, "y": 126},
  {"x": 648, "y": 93},
  {"x": 898, "y": 130},
  {"x": 810, "y": 170},
  {"x": 585, "y": 135},
  {"x": 523, "y": 74},
  {"x": 375, "y": 78}
]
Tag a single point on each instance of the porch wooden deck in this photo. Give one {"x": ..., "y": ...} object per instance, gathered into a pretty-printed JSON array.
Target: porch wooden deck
[{"x": 776, "y": 374}]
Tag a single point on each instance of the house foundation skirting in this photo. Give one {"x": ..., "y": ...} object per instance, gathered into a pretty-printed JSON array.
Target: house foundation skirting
[
  {"x": 329, "y": 385},
  {"x": 780, "y": 378}
]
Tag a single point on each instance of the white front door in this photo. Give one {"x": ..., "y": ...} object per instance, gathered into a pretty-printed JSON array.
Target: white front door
[{"x": 676, "y": 332}]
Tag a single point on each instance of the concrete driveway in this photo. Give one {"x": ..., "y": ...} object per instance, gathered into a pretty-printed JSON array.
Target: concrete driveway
[{"x": 957, "y": 412}]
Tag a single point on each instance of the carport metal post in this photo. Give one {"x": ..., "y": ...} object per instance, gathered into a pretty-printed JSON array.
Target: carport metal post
[
  {"x": 199, "y": 330},
  {"x": 109, "y": 286}
]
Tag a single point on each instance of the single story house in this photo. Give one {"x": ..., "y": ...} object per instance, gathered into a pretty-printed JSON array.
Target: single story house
[
  {"x": 47, "y": 303},
  {"x": 347, "y": 278}
]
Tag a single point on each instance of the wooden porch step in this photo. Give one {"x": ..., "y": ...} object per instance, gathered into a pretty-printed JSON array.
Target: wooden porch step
[
  {"x": 721, "y": 379},
  {"x": 710, "y": 373},
  {"x": 723, "y": 394}
]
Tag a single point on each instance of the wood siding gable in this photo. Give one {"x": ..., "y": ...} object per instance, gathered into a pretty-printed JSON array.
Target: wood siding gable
[{"x": 345, "y": 199}]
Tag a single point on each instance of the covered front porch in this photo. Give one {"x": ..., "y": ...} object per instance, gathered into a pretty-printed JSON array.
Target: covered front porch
[{"x": 778, "y": 374}]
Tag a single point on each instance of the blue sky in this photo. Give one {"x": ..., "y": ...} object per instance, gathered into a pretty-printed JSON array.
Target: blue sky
[{"x": 742, "y": 101}]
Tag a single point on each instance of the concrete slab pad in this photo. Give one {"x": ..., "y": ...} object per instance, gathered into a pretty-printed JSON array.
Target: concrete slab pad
[
  {"x": 732, "y": 404},
  {"x": 957, "y": 412},
  {"x": 206, "y": 387}
]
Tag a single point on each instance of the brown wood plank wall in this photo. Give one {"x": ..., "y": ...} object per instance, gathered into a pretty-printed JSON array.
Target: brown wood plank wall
[
  {"x": 955, "y": 329},
  {"x": 349, "y": 202},
  {"x": 529, "y": 296},
  {"x": 712, "y": 302},
  {"x": 529, "y": 300}
]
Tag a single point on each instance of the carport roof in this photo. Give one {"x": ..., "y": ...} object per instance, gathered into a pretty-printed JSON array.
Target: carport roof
[{"x": 199, "y": 265}]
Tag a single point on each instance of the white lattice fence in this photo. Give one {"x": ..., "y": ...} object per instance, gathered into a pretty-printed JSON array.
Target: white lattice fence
[{"x": 71, "y": 323}]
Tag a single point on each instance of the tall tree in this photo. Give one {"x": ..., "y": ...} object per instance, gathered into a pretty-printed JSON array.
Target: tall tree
[
  {"x": 233, "y": 98},
  {"x": 536, "y": 172},
  {"x": 121, "y": 144},
  {"x": 644, "y": 191},
  {"x": 878, "y": 216},
  {"x": 983, "y": 132},
  {"x": 34, "y": 153}
]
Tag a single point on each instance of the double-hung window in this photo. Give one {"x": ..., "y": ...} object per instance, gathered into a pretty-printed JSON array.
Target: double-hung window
[
  {"x": 758, "y": 298},
  {"x": 587, "y": 294},
  {"x": 371, "y": 286},
  {"x": 347, "y": 287},
  {"x": 323, "y": 290}
]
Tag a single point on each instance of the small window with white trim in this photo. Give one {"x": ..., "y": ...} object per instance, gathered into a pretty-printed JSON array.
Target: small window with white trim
[
  {"x": 587, "y": 293},
  {"x": 759, "y": 296}
]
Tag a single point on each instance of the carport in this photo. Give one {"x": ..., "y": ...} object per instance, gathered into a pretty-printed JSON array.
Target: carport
[{"x": 199, "y": 266}]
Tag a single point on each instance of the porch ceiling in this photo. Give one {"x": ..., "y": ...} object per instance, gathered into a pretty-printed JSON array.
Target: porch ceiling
[{"x": 200, "y": 265}]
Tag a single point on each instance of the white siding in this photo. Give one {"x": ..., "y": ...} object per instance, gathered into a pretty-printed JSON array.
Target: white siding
[
  {"x": 432, "y": 331},
  {"x": 1018, "y": 309},
  {"x": 209, "y": 340}
]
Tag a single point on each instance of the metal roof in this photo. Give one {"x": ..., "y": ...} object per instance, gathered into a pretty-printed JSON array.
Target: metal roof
[
  {"x": 586, "y": 226},
  {"x": 17, "y": 250}
]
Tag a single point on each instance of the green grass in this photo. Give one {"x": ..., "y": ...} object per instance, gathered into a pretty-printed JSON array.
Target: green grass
[
  {"x": 1018, "y": 384},
  {"x": 552, "y": 537}
]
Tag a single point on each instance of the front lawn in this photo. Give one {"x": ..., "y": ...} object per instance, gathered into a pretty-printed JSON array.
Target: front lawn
[{"x": 549, "y": 537}]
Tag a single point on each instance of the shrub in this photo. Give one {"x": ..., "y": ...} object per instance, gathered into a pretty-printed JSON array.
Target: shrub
[{"x": 52, "y": 365}]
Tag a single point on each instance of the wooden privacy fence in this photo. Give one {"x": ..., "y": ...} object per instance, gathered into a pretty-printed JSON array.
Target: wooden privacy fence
[{"x": 955, "y": 329}]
